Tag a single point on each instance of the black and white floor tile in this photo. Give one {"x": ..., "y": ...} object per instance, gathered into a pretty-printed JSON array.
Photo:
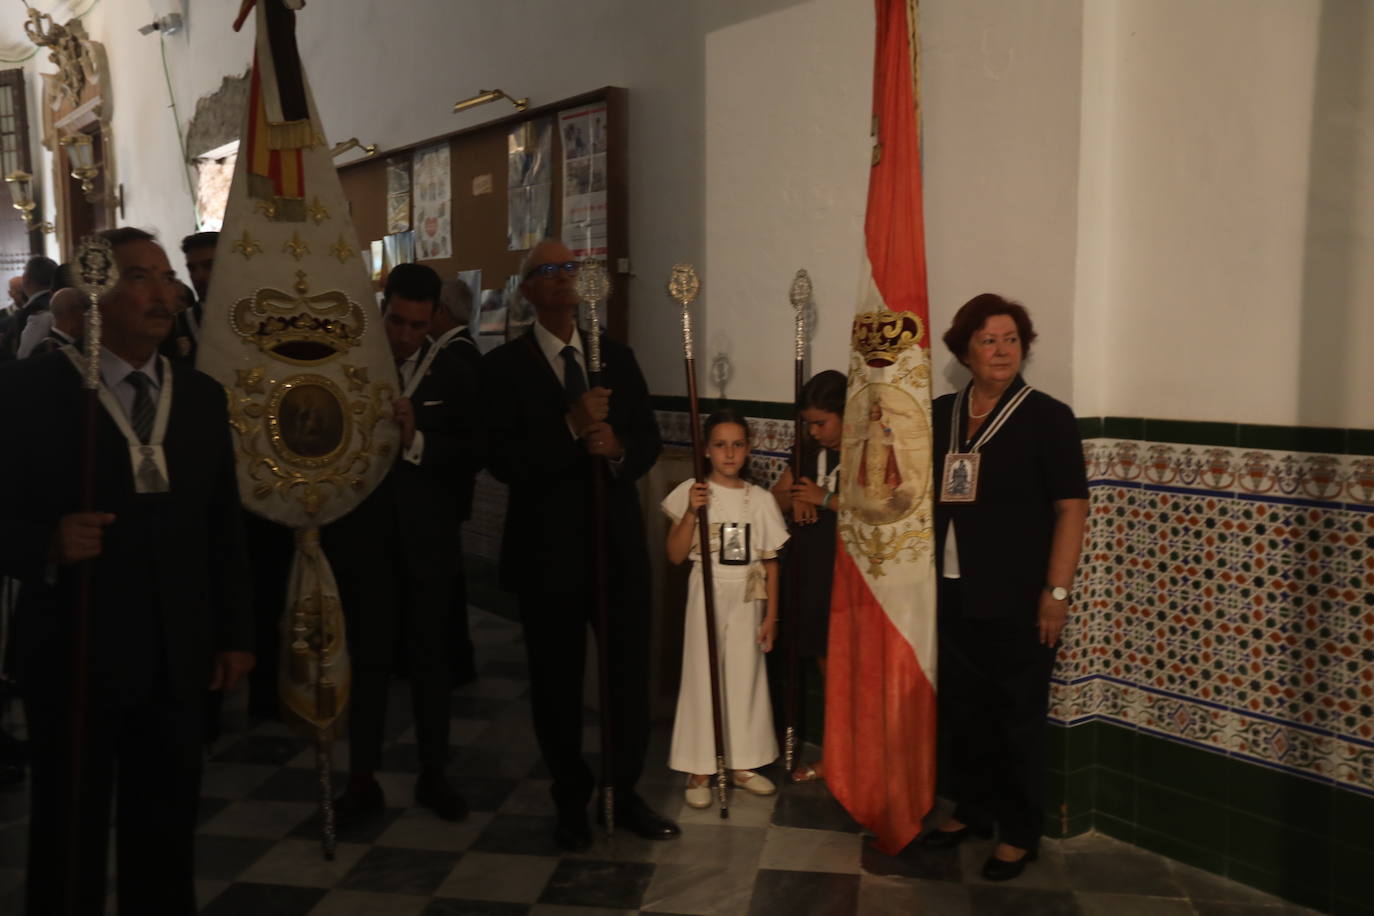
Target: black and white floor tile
[{"x": 796, "y": 853}]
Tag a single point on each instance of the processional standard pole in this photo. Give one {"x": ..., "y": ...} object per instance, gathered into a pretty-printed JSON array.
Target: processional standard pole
[
  {"x": 594, "y": 287},
  {"x": 96, "y": 267},
  {"x": 683, "y": 288},
  {"x": 800, "y": 295}
]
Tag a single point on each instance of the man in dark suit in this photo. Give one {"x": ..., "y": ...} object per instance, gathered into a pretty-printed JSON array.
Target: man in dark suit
[
  {"x": 68, "y": 307},
  {"x": 169, "y": 601},
  {"x": 393, "y": 555},
  {"x": 199, "y": 249},
  {"x": 544, "y": 430},
  {"x": 36, "y": 284},
  {"x": 451, "y": 331}
]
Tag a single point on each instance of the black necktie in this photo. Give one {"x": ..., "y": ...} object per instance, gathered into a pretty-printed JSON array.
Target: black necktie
[
  {"x": 574, "y": 382},
  {"x": 141, "y": 415}
]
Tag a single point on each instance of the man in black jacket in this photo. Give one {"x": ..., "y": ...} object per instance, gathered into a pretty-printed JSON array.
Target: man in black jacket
[
  {"x": 451, "y": 331},
  {"x": 169, "y": 602},
  {"x": 393, "y": 555},
  {"x": 36, "y": 284},
  {"x": 544, "y": 429}
]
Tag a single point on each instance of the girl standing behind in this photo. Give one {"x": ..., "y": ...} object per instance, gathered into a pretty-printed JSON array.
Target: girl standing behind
[
  {"x": 746, "y": 532},
  {"x": 812, "y": 503}
]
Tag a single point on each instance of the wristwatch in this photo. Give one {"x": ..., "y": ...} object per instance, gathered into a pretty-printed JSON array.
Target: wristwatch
[{"x": 1057, "y": 592}]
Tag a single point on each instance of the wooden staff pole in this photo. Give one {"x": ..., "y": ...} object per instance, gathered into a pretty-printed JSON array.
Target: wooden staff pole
[
  {"x": 97, "y": 270},
  {"x": 799, "y": 295},
  {"x": 683, "y": 287},
  {"x": 594, "y": 287}
]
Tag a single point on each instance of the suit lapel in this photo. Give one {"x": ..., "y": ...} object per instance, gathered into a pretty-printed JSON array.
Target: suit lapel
[{"x": 541, "y": 368}]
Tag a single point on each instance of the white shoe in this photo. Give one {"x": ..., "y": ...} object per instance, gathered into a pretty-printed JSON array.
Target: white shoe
[
  {"x": 698, "y": 796},
  {"x": 754, "y": 784}
]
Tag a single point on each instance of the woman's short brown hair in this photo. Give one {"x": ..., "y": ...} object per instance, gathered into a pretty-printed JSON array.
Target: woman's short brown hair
[{"x": 975, "y": 313}]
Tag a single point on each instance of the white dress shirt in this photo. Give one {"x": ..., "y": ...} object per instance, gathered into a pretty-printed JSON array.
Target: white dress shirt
[
  {"x": 552, "y": 348},
  {"x": 407, "y": 368},
  {"x": 35, "y": 329}
]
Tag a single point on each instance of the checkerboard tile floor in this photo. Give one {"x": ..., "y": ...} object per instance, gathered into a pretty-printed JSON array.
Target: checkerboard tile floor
[{"x": 796, "y": 853}]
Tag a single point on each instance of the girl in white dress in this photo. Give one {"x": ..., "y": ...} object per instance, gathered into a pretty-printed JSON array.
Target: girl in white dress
[{"x": 747, "y": 531}]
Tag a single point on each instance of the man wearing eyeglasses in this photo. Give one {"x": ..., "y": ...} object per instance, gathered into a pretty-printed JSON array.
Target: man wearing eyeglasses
[{"x": 544, "y": 427}]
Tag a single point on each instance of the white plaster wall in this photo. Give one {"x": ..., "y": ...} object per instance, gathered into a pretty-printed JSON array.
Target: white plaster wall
[
  {"x": 1001, "y": 86},
  {"x": 1240, "y": 182}
]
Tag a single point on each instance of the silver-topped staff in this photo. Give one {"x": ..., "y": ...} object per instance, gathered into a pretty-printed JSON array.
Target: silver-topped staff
[
  {"x": 683, "y": 287},
  {"x": 593, "y": 287},
  {"x": 800, "y": 296},
  {"x": 96, "y": 276}
]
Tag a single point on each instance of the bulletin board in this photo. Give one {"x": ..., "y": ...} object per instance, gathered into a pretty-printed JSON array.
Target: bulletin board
[{"x": 478, "y": 167}]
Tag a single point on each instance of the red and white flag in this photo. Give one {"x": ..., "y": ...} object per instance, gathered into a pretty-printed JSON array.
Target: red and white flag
[{"x": 880, "y": 683}]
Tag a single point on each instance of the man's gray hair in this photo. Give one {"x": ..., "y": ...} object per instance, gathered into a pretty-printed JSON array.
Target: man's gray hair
[{"x": 456, "y": 298}]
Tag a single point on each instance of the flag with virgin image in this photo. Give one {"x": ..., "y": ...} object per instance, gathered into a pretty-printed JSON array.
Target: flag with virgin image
[{"x": 880, "y": 684}]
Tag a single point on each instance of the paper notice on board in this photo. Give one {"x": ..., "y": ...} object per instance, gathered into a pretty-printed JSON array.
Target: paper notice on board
[
  {"x": 433, "y": 203},
  {"x": 529, "y": 181},
  {"x": 397, "y": 196},
  {"x": 584, "y": 179}
]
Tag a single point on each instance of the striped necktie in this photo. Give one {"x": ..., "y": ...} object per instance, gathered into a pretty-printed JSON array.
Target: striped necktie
[{"x": 141, "y": 415}]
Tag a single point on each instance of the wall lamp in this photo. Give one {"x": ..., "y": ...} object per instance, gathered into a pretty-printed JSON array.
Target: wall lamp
[
  {"x": 489, "y": 95},
  {"x": 81, "y": 157},
  {"x": 369, "y": 149},
  {"x": 21, "y": 192}
]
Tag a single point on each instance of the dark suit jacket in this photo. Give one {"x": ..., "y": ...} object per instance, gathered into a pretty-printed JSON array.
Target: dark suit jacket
[
  {"x": 171, "y": 586},
  {"x": 419, "y": 503},
  {"x": 464, "y": 348},
  {"x": 548, "y": 537},
  {"x": 17, "y": 320},
  {"x": 1004, "y": 538}
]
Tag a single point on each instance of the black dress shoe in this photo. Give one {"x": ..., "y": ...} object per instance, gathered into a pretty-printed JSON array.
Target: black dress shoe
[
  {"x": 995, "y": 869},
  {"x": 634, "y": 815},
  {"x": 948, "y": 839},
  {"x": 572, "y": 832},
  {"x": 433, "y": 791},
  {"x": 360, "y": 803}
]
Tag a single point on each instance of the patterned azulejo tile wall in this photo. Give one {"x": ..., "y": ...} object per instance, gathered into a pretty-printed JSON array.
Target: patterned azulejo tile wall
[
  {"x": 1230, "y": 604},
  {"x": 1226, "y": 594}
]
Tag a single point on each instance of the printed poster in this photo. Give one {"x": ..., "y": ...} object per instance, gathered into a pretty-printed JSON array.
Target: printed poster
[
  {"x": 397, "y": 196},
  {"x": 433, "y": 203},
  {"x": 529, "y": 183},
  {"x": 519, "y": 313},
  {"x": 583, "y": 131}
]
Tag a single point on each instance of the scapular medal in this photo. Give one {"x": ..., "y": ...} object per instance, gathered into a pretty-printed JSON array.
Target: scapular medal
[
  {"x": 149, "y": 476},
  {"x": 959, "y": 484},
  {"x": 734, "y": 544}
]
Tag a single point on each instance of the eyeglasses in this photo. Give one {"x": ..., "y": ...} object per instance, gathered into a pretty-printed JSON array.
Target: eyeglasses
[{"x": 569, "y": 269}]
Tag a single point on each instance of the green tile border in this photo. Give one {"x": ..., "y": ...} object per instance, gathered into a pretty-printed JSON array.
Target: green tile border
[
  {"x": 1293, "y": 438},
  {"x": 1191, "y": 432},
  {"x": 1123, "y": 428},
  {"x": 1305, "y": 841}
]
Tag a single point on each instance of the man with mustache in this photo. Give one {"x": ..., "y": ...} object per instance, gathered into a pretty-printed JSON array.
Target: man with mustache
[{"x": 169, "y": 603}]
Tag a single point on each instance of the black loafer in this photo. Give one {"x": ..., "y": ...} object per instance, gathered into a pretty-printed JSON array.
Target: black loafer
[
  {"x": 572, "y": 833},
  {"x": 995, "y": 869},
  {"x": 359, "y": 804},
  {"x": 433, "y": 791},
  {"x": 948, "y": 839},
  {"x": 637, "y": 817}
]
